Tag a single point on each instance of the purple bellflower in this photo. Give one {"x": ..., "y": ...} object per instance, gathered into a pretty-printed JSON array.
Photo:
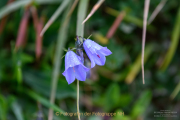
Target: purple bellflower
[
  {"x": 95, "y": 52},
  {"x": 74, "y": 68}
]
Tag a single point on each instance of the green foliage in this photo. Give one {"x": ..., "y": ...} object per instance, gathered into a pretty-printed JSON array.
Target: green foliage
[
  {"x": 141, "y": 105},
  {"x": 27, "y": 83}
]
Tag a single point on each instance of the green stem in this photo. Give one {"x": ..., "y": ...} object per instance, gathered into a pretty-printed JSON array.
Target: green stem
[
  {"x": 80, "y": 32},
  {"x": 78, "y": 100}
]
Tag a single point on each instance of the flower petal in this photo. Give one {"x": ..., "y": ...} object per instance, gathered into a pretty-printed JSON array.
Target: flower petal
[
  {"x": 105, "y": 51},
  {"x": 69, "y": 74},
  {"x": 71, "y": 60},
  {"x": 99, "y": 60},
  {"x": 93, "y": 44},
  {"x": 89, "y": 54},
  {"x": 80, "y": 74}
]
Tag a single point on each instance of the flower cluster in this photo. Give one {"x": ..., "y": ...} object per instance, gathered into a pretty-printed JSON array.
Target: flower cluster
[{"x": 74, "y": 62}]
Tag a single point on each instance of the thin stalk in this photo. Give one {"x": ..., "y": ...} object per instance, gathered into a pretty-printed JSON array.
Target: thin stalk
[
  {"x": 146, "y": 9},
  {"x": 82, "y": 8},
  {"x": 96, "y": 6},
  {"x": 157, "y": 10},
  {"x": 78, "y": 100}
]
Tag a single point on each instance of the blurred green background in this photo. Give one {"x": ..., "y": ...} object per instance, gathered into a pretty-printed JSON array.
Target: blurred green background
[{"x": 28, "y": 62}]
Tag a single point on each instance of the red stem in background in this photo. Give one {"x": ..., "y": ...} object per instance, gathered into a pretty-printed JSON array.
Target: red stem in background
[
  {"x": 115, "y": 25},
  {"x": 39, "y": 38},
  {"x": 38, "y": 25},
  {"x": 22, "y": 29}
]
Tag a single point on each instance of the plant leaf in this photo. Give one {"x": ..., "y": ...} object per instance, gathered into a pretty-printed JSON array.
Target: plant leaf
[{"x": 174, "y": 44}]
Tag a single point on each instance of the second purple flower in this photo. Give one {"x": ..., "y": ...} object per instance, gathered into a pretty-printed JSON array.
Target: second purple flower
[{"x": 95, "y": 52}]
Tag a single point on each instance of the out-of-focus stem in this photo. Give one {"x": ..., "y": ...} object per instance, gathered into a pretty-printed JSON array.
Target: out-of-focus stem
[
  {"x": 78, "y": 100},
  {"x": 146, "y": 9},
  {"x": 156, "y": 11}
]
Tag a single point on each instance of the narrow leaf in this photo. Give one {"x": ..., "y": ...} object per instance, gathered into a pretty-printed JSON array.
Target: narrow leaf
[
  {"x": 62, "y": 38},
  {"x": 43, "y": 101},
  {"x": 20, "y": 3},
  {"x": 175, "y": 92},
  {"x": 55, "y": 15},
  {"x": 17, "y": 110},
  {"x": 4, "y": 19},
  {"x": 174, "y": 44},
  {"x": 131, "y": 19},
  {"x": 12, "y": 7}
]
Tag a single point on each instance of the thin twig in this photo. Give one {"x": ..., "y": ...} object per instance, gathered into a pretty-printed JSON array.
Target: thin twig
[
  {"x": 146, "y": 9},
  {"x": 157, "y": 10},
  {"x": 78, "y": 100},
  {"x": 96, "y": 6}
]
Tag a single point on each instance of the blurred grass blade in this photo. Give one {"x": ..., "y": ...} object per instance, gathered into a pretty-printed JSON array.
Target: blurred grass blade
[
  {"x": 72, "y": 8},
  {"x": 175, "y": 92},
  {"x": 135, "y": 68},
  {"x": 146, "y": 9},
  {"x": 141, "y": 105},
  {"x": 12, "y": 7},
  {"x": 174, "y": 43},
  {"x": 96, "y": 6},
  {"x": 62, "y": 38},
  {"x": 82, "y": 9},
  {"x": 115, "y": 25},
  {"x": 16, "y": 108},
  {"x": 157, "y": 10},
  {"x": 4, "y": 19},
  {"x": 19, "y": 3},
  {"x": 3, "y": 108},
  {"x": 129, "y": 18},
  {"x": 42, "y": 100},
  {"x": 48, "y": 1},
  {"x": 55, "y": 15},
  {"x": 80, "y": 17},
  {"x": 19, "y": 73}
]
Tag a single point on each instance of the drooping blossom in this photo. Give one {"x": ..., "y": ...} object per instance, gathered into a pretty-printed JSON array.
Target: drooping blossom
[
  {"x": 74, "y": 68},
  {"x": 95, "y": 52}
]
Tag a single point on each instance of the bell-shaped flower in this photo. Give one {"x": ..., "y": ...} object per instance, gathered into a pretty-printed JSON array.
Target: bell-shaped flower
[
  {"x": 95, "y": 52},
  {"x": 74, "y": 68}
]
